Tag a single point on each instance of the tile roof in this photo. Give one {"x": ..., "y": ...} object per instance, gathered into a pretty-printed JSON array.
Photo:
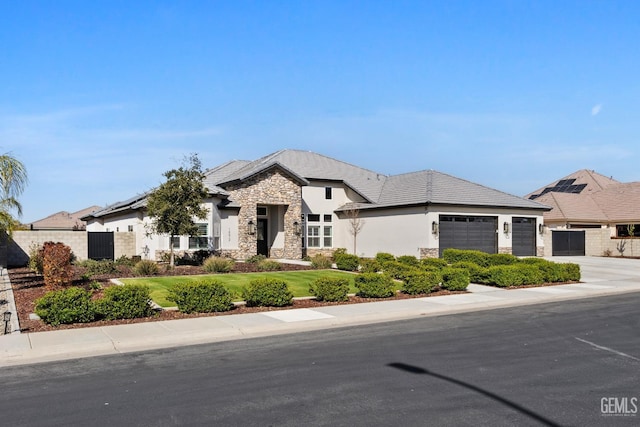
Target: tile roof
[
  {"x": 63, "y": 220},
  {"x": 592, "y": 181},
  {"x": 305, "y": 165},
  {"x": 378, "y": 190},
  {"x": 435, "y": 187},
  {"x": 604, "y": 200}
]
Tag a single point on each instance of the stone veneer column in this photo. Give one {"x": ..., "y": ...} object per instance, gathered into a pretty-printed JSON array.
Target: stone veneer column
[{"x": 269, "y": 188}]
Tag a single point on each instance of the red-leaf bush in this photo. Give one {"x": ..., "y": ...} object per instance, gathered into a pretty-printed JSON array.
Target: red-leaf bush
[{"x": 56, "y": 264}]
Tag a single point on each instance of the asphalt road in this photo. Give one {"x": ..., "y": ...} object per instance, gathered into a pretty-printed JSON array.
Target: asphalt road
[{"x": 549, "y": 364}]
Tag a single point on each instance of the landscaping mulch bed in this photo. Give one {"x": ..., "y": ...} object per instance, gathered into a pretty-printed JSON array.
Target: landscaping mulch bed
[{"x": 28, "y": 287}]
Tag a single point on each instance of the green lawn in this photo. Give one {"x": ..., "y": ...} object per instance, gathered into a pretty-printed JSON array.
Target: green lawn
[{"x": 298, "y": 282}]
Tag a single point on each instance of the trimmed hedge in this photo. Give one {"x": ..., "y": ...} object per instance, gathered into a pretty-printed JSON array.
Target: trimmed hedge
[
  {"x": 373, "y": 285},
  {"x": 502, "y": 259},
  {"x": 71, "y": 305},
  {"x": 383, "y": 257},
  {"x": 456, "y": 255},
  {"x": 330, "y": 289},
  {"x": 201, "y": 297},
  {"x": 433, "y": 262},
  {"x": 124, "y": 302},
  {"x": 455, "y": 279},
  {"x": 267, "y": 292},
  {"x": 409, "y": 260},
  {"x": 515, "y": 275},
  {"x": 346, "y": 262},
  {"x": 398, "y": 270},
  {"x": 421, "y": 282},
  {"x": 477, "y": 274},
  {"x": 572, "y": 272},
  {"x": 368, "y": 265}
]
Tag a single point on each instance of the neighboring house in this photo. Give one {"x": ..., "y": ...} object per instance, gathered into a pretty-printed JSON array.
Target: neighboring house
[
  {"x": 294, "y": 203},
  {"x": 63, "y": 220},
  {"x": 591, "y": 214}
]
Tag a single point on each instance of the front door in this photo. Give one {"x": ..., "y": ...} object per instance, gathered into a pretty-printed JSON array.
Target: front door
[{"x": 262, "y": 235}]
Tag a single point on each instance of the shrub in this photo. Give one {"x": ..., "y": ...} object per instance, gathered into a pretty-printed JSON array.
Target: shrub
[
  {"x": 452, "y": 255},
  {"x": 269, "y": 265},
  {"x": 373, "y": 285},
  {"x": 347, "y": 262},
  {"x": 201, "y": 297},
  {"x": 338, "y": 252},
  {"x": 216, "y": 264},
  {"x": 477, "y": 274},
  {"x": 330, "y": 289},
  {"x": 383, "y": 257},
  {"x": 71, "y": 305},
  {"x": 126, "y": 261},
  {"x": 35, "y": 258},
  {"x": 572, "y": 272},
  {"x": 124, "y": 302},
  {"x": 554, "y": 272},
  {"x": 502, "y": 259},
  {"x": 455, "y": 279},
  {"x": 408, "y": 260},
  {"x": 514, "y": 275},
  {"x": 268, "y": 292},
  {"x": 254, "y": 259},
  {"x": 198, "y": 257},
  {"x": 551, "y": 271},
  {"x": 93, "y": 267},
  {"x": 421, "y": 282},
  {"x": 398, "y": 270},
  {"x": 433, "y": 262},
  {"x": 320, "y": 262},
  {"x": 56, "y": 264},
  {"x": 146, "y": 268},
  {"x": 368, "y": 265}
]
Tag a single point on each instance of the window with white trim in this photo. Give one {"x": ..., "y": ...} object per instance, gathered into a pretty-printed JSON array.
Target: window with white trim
[
  {"x": 313, "y": 236},
  {"x": 176, "y": 242},
  {"x": 328, "y": 236},
  {"x": 200, "y": 241}
]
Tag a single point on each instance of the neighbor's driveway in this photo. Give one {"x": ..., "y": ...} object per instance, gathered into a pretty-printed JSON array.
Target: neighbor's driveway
[{"x": 604, "y": 269}]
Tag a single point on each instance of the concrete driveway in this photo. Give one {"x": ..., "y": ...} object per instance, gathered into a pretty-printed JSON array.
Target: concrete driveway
[{"x": 604, "y": 269}]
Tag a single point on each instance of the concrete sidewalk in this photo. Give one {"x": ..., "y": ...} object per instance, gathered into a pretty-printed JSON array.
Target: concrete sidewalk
[{"x": 600, "y": 276}]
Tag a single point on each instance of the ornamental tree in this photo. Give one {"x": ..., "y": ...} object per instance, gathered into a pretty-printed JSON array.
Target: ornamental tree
[{"x": 174, "y": 204}]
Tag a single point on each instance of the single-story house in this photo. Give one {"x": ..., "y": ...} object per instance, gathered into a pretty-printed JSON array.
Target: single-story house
[
  {"x": 293, "y": 203},
  {"x": 591, "y": 214},
  {"x": 63, "y": 220}
]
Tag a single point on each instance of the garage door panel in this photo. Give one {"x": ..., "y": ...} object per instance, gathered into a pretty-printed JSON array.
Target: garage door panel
[
  {"x": 468, "y": 232},
  {"x": 523, "y": 236}
]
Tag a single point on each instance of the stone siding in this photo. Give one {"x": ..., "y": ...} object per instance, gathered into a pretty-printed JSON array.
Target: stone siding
[
  {"x": 326, "y": 252},
  {"x": 429, "y": 253},
  {"x": 271, "y": 188},
  {"x": 505, "y": 250}
]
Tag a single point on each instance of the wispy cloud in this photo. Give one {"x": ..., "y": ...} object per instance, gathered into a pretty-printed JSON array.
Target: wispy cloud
[{"x": 595, "y": 110}]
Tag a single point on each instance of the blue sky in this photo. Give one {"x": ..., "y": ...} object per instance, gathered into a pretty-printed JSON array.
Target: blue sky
[{"x": 99, "y": 98}]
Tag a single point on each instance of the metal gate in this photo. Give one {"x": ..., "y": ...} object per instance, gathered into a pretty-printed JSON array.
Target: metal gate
[
  {"x": 100, "y": 245},
  {"x": 567, "y": 243},
  {"x": 469, "y": 232},
  {"x": 523, "y": 236}
]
